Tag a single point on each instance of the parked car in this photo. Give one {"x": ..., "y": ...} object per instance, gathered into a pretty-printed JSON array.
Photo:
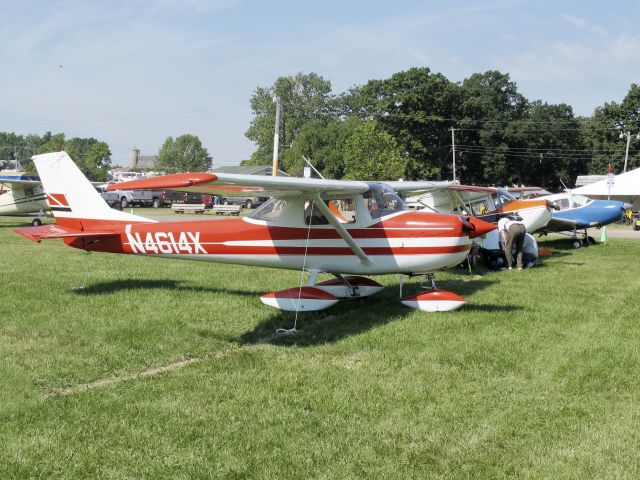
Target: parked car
[
  {"x": 112, "y": 198},
  {"x": 160, "y": 198},
  {"x": 141, "y": 198},
  {"x": 245, "y": 202}
]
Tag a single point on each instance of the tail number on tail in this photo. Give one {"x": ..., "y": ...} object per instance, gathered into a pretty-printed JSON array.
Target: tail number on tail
[{"x": 164, "y": 242}]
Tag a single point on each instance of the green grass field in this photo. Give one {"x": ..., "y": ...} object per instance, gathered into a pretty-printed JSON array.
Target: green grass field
[{"x": 537, "y": 377}]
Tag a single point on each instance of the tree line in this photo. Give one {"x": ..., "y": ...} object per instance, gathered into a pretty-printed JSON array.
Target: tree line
[
  {"x": 185, "y": 153},
  {"x": 404, "y": 127},
  {"x": 92, "y": 156},
  {"x": 401, "y": 127}
]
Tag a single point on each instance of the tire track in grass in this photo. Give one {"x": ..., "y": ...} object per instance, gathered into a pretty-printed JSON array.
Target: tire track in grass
[{"x": 149, "y": 372}]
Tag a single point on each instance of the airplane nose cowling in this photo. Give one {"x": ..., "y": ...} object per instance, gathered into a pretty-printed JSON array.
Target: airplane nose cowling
[{"x": 478, "y": 227}]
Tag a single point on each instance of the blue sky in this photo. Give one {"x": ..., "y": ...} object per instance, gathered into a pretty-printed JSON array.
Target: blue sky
[{"x": 136, "y": 72}]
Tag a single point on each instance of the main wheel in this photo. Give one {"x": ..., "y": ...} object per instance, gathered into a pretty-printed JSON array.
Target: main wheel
[
  {"x": 157, "y": 203},
  {"x": 124, "y": 203},
  {"x": 249, "y": 204},
  {"x": 36, "y": 222}
]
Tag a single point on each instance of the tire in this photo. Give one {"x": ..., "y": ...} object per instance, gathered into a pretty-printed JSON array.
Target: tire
[
  {"x": 117, "y": 206},
  {"x": 157, "y": 203},
  {"x": 577, "y": 244},
  {"x": 36, "y": 222},
  {"x": 124, "y": 203},
  {"x": 225, "y": 202},
  {"x": 249, "y": 204},
  {"x": 636, "y": 227}
]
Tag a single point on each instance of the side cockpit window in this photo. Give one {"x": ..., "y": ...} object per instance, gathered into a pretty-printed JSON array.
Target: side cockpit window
[
  {"x": 341, "y": 208},
  {"x": 269, "y": 211}
]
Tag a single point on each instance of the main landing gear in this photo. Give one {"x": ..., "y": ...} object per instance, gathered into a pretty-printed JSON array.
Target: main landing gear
[
  {"x": 318, "y": 296},
  {"x": 36, "y": 222},
  {"x": 433, "y": 299},
  {"x": 585, "y": 241}
]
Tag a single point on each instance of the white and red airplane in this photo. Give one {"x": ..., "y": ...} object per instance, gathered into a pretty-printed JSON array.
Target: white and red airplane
[
  {"x": 488, "y": 203},
  {"x": 319, "y": 226}
]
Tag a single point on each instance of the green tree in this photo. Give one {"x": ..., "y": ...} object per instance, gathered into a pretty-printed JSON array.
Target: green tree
[
  {"x": 417, "y": 108},
  {"x": 96, "y": 162},
  {"x": 602, "y": 133},
  {"x": 491, "y": 109},
  {"x": 56, "y": 143},
  {"x": 303, "y": 97},
  {"x": 322, "y": 141},
  {"x": 555, "y": 151},
  {"x": 184, "y": 154},
  {"x": 19, "y": 147},
  {"x": 370, "y": 153},
  {"x": 93, "y": 157}
]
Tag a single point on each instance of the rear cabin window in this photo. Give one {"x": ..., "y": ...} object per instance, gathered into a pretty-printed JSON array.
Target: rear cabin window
[{"x": 342, "y": 208}]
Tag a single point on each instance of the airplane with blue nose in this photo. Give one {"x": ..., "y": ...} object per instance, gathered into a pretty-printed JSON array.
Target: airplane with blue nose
[{"x": 576, "y": 213}]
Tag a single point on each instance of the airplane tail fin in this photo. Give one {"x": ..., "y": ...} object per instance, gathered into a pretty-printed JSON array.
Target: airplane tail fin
[{"x": 73, "y": 200}]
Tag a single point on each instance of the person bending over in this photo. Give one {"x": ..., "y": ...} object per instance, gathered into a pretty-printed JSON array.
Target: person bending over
[{"x": 512, "y": 233}]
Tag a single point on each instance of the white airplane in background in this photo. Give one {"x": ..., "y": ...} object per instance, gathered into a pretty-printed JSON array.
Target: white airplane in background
[
  {"x": 344, "y": 228},
  {"x": 488, "y": 203},
  {"x": 22, "y": 194}
]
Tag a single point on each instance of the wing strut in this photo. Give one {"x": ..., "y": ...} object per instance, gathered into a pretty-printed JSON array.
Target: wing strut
[{"x": 340, "y": 229}]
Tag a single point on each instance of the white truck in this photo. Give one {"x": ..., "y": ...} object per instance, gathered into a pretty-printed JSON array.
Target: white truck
[
  {"x": 141, "y": 198},
  {"x": 112, "y": 198}
]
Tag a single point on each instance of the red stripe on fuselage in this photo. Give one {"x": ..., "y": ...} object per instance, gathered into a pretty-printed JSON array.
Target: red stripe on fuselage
[{"x": 211, "y": 236}]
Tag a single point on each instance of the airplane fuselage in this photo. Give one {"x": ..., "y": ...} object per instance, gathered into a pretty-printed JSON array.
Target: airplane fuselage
[{"x": 402, "y": 243}]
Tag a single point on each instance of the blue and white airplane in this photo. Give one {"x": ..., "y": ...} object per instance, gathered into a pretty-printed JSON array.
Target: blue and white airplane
[{"x": 576, "y": 213}]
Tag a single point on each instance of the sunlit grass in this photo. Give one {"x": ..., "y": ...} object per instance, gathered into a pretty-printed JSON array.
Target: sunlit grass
[{"x": 536, "y": 377}]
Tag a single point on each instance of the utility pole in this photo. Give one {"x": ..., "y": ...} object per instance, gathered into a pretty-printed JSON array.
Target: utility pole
[
  {"x": 276, "y": 138},
  {"x": 453, "y": 146},
  {"x": 626, "y": 153}
]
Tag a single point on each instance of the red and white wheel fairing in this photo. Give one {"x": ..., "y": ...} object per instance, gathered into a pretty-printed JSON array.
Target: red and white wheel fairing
[
  {"x": 364, "y": 287},
  {"x": 435, "y": 301},
  {"x": 304, "y": 299}
]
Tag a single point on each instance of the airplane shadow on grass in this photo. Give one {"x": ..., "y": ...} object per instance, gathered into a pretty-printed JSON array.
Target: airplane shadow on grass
[
  {"x": 115, "y": 286},
  {"x": 353, "y": 317}
]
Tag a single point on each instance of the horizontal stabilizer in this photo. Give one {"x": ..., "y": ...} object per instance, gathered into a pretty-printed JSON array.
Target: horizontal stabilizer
[{"x": 44, "y": 232}]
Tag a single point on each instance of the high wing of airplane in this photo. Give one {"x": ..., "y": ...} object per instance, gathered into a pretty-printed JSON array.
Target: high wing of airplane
[
  {"x": 576, "y": 213},
  {"x": 20, "y": 194},
  {"x": 344, "y": 228},
  {"x": 488, "y": 203},
  {"x": 528, "y": 192}
]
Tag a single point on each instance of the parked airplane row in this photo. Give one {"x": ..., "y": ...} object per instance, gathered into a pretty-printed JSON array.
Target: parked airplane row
[{"x": 349, "y": 229}]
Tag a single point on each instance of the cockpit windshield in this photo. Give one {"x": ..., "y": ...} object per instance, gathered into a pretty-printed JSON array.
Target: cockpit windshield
[
  {"x": 382, "y": 200},
  {"x": 503, "y": 196},
  {"x": 580, "y": 200}
]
